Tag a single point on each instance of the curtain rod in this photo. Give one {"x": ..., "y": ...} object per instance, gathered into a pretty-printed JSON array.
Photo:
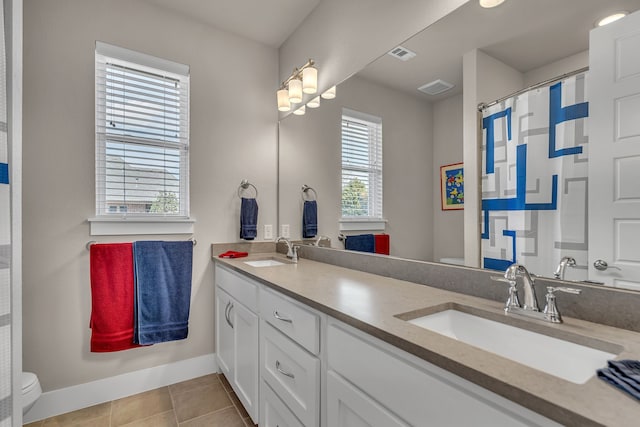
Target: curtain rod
[{"x": 483, "y": 106}]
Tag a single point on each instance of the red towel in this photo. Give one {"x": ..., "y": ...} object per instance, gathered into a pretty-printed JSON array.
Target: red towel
[
  {"x": 112, "y": 297},
  {"x": 233, "y": 254},
  {"x": 382, "y": 243}
]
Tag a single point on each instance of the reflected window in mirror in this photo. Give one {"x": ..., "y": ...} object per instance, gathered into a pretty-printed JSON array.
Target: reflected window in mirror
[{"x": 361, "y": 165}]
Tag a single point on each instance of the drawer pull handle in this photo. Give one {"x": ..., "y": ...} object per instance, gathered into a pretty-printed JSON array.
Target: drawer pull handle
[
  {"x": 284, "y": 319},
  {"x": 285, "y": 373},
  {"x": 227, "y": 313}
]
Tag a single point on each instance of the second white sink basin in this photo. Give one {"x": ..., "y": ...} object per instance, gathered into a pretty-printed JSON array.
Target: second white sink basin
[
  {"x": 567, "y": 360},
  {"x": 270, "y": 262}
]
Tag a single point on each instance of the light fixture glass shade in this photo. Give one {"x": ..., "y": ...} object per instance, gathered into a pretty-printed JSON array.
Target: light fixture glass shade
[
  {"x": 329, "y": 93},
  {"x": 490, "y": 3},
  {"x": 295, "y": 91},
  {"x": 314, "y": 103},
  {"x": 611, "y": 18},
  {"x": 310, "y": 80},
  {"x": 283, "y": 100},
  {"x": 300, "y": 111}
]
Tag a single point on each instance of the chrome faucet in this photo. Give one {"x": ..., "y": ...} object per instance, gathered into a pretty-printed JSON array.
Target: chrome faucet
[
  {"x": 292, "y": 250},
  {"x": 530, "y": 307},
  {"x": 564, "y": 262},
  {"x": 530, "y": 300}
]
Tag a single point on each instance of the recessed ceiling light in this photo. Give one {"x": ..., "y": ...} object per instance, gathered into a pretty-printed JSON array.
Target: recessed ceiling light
[
  {"x": 611, "y": 18},
  {"x": 490, "y": 3}
]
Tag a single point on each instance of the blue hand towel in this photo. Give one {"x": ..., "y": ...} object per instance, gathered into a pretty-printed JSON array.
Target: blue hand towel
[
  {"x": 310, "y": 219},
  {"x": 623, "y": 374},
  {"x": 162, "y": 277},
  {"x": 362, "y": 243},
  {"x": 248, "y": 219}
]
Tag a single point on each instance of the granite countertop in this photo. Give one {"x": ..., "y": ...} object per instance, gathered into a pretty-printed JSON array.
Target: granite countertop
[{"x": 375, "y": 305}]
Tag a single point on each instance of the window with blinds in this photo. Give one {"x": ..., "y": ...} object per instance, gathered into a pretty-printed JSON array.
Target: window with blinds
[
  {"x": 142, "y": 135},
  {"x": 361, "y": 165}
]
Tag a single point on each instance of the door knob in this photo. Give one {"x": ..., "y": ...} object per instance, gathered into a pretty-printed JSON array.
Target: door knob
[{"x": 602, "y": 265}]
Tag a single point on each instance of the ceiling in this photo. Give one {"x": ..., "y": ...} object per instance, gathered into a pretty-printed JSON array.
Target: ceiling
[
  {"x": 266, "y": 21},
  {"x": 525, "y": 34}
]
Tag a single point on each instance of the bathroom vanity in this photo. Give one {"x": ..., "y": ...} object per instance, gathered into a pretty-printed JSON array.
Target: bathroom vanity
[{"x": 337, "y": 347}]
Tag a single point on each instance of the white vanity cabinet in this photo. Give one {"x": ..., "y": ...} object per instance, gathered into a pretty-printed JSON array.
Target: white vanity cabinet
[
  {"x": 237, "y": 335},
  {"x": 289, "y": 362},
  {"x": 371, "y": 383}
]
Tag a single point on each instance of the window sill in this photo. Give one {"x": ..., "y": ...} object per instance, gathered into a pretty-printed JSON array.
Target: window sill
[
  {"x": 105, "y": 226},
  {"x": 363, "y": 224}
]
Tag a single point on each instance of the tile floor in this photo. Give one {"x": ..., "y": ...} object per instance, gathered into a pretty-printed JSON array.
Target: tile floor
[{"x": 205, "y": 401}]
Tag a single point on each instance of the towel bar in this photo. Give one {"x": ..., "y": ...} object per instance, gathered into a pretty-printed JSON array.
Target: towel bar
[{"x": 91, "y": 242}]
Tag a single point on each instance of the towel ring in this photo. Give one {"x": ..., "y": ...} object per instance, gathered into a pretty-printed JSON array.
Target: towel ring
[
  {"x": 305, "y": 191},
  {"x": 244, "y": 185}
]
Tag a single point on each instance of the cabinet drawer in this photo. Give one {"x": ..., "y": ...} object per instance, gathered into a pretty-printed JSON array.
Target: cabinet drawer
[
  {"x": 244, "y": 290},
  {"x": 296, "y": 322},
  {"x": 292, "y": 373},
  {"x": 274, "y": 412}
]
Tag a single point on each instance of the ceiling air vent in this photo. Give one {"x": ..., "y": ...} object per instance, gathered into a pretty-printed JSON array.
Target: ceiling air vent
[
  {"x": 401, "y": 53},
  {"x": 435, "y": 87}
]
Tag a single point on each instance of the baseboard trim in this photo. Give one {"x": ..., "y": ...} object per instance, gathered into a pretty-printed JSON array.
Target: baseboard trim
[{"x": 80, "y": 396}]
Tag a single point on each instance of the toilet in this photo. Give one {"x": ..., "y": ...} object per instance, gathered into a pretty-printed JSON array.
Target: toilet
[{"x": 31, "y": 390}]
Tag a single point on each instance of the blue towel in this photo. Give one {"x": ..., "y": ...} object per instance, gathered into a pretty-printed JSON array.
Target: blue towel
[
  {"x": 623, "y": 374},
  {"x": 362, "y": 243},
  {"x": 310, "y": 219},
  {"x": 248, "y": 219},
  {"x": 162, "y": 277}
]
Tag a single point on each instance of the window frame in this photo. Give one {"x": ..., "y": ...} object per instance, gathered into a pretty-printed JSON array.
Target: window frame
[
  {"x": 107, "y": 222},
  {"x": 374, "y": 220}
]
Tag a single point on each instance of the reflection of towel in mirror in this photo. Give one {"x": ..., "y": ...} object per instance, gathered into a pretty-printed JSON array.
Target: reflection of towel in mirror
[
  {"x": 163, "y": 290},
  {"x": 248, "y": 219},
  {"x": 623, "y": 374},
  {"x": 361, "y": 242},
  {"x": 310, "y": 219}
]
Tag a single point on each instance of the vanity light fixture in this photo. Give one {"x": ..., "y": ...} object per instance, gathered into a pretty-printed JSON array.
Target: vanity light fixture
[
  {"x": 329, "y": 93},
  {"x": 611, "y": 18},
  {"x": 302, "y": 80},
  {"x": 490, "y": 3},
  {"x": 300, "y": 111},
  {"x": 314, "y": 103}
]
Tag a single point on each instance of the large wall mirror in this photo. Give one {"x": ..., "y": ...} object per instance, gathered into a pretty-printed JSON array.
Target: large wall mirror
[{"x": 536, "y": 40}]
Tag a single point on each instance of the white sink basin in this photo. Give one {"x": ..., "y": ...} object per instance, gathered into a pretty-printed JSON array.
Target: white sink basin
[
  {"x": 572, "y": 362},
  {"x": 265, "y": 263}
]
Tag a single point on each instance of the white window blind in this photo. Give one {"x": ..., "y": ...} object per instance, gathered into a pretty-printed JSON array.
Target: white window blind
[
  {"x": 142, "y": 135},
  {"x": 361, "y": 165}
]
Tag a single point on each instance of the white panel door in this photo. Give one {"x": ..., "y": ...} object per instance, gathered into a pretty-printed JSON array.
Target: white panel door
[
  {"x": 614, "y": 153},
  {"x": 225, "y": 341},
  {"x": 245, "y": 362}
]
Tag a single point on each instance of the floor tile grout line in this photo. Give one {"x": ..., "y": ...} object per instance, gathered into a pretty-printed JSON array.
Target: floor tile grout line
[{"x": 173, "y": 405}]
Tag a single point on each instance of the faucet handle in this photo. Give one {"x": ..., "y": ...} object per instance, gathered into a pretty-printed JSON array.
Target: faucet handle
[
  {"x": 513, "y": 300},
  {"x": 550, "y": 311}
]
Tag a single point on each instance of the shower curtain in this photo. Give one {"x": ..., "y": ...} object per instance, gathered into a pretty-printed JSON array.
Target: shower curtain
[
  {"x": 534, "y": 179},
  {"x": 5, "y": 245}
]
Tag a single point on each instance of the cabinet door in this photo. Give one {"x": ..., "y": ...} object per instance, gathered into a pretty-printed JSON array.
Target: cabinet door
[
  {"x": 224, "y": 333},
  {"x": 349, "y": 407},
  {"x": 245, "y": 362}
]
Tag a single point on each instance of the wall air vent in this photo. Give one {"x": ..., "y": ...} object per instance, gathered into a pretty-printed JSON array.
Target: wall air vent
[
  {"x": 401, "y": 53},
  {"x": 435, "y": 87}
]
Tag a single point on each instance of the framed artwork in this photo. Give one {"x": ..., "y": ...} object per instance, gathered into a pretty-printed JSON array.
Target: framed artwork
[{"x": 452, "y": 186}]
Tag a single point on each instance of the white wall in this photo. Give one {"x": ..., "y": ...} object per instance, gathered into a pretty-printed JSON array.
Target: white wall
[
  {"x": 233, "y": 136},
  {"x": 310, "y": 153},
  {"x": 448, "y": 226},
  {"x": 485, "y": 80},
  {"x": 344, "y": 36},
  {"x": 557, "y": 68}
]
